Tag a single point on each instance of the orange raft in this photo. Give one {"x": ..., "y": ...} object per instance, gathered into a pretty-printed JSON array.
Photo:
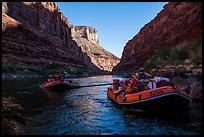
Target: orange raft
[
  {"x": 166, "y": 97},
  {"x": 59, "y": 85}
]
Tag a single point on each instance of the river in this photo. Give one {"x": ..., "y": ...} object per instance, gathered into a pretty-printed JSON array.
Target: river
[{"x": 88, "y": 111}]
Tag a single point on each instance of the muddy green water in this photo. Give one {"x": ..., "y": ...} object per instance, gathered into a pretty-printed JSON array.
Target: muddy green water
[{"x": 88, "y": 111}]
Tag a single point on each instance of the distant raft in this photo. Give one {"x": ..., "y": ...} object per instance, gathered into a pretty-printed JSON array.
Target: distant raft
[
  {"x": 151, "y": 99},
  {"x": 60, "y": 85}
]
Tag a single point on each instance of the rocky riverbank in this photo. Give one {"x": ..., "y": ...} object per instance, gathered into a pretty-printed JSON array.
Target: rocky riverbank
[
  {"x": 13, "y": 116},
  {"x": 182, "y": 76},
  {"x": 14, "y": 72}
]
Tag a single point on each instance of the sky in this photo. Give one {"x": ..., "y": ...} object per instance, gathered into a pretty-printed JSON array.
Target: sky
[{"x": 116, "y": 22}]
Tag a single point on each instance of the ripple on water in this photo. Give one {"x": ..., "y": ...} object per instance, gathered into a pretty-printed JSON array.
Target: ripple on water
[{"x": 88, "y": 111}]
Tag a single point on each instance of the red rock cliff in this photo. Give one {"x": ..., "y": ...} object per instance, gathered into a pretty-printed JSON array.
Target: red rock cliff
[
  {"x": 37, "y": 33},
  {"x": 86, "y": 38},
  {"x": 178, "y": 22}
]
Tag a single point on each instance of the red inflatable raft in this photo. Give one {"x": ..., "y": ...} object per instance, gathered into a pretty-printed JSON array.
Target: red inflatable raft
[
  {"x": 165, "y": 97},
  {"x": 60, "y": 85}
]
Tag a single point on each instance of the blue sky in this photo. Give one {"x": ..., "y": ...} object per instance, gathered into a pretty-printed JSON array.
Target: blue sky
[{"x": 115, "y": 22}]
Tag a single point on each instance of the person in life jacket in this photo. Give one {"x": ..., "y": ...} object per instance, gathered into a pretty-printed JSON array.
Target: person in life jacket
[
  {"x": 143, "y": 74},
  {"x": 49, "y": 77},
  {"x": 135, "y": 83},
  {"x": 136, "y": 76},
  {"x": 57, "y": 76}
]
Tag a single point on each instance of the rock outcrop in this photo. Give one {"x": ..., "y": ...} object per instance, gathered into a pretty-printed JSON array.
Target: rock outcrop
[
  {"x": 177, "y": 23},
  {"x": 182, "y": 76},
  {"x": 13, "y": 115},
  {"x": 38, "y": 33},
  {"x": 86, "y": 32},
  {"x": 86, "y": 38},
  {"x": 4, "y": 7}
]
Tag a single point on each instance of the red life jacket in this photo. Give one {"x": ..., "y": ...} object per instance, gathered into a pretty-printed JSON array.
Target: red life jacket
[
  {"x": 127, "y": 82},
  {"x": 136, "y": 83},
  {"x": 57, "y": 76}
]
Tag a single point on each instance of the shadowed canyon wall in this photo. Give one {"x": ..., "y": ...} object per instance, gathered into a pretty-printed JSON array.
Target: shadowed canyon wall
[
  {"x": 177, "y": 23},
  {"x": 38, "y": 33}
]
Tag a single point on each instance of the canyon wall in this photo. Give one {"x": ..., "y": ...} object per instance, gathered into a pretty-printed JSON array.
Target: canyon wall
[
  {"x": 86, "y": 32},
  {"x": 38, "y": 33},
  {"x": 86, "y": 38},
  {"x": 177, "y": 23}
]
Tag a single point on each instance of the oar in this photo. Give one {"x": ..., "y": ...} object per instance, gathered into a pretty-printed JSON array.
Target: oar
[{"x": 96, "y": 85}]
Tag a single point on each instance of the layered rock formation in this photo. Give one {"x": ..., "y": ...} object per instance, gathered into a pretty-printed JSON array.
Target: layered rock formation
[
  {"x": 37, "y": 33},
  {"x": 86, "y": 38},
  {"x": 86, "y": 32},
  {"x": 177, "y": 23}
]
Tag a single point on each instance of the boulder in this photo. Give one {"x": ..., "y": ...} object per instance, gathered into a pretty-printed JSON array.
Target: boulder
[
  {"x": 159, "y": 67},
  {"x": 179, "y": 82},
  {"x": 200, "y": 66},
  {"x": 170, "y": 73},
  {"x": 196, "y": 92},
  {"x": 170, "y": 67},
  {"x": 180, "y": 70},
  {"x": 188, "y": 62},
  {"x": 189, "y": 68},
  {"x": 198, "y": 73}
]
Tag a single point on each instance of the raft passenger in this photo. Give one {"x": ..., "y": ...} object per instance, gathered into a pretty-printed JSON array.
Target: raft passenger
[{"x": 143, "y": 74}]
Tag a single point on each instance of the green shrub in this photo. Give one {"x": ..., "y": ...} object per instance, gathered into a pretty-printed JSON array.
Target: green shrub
[
  {"x": 11, "y": 68},
  {"x": 160, "y": 57},
  {"x": 166, "y": 55},
  {"x": 196, "y": 54}
]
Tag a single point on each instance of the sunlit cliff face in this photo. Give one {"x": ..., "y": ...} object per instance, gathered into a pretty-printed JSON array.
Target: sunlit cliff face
[
  {"x": 10, "y": 23},
  {"x": 87, "y": 38},
  {"x": 85, "y": 32},
  {"x": 38, "y": 33}
]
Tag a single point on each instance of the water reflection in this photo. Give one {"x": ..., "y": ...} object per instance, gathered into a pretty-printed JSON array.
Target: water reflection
[
  {"x": 88, "y": 111},
  {"x": 54, "y": 97}
]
